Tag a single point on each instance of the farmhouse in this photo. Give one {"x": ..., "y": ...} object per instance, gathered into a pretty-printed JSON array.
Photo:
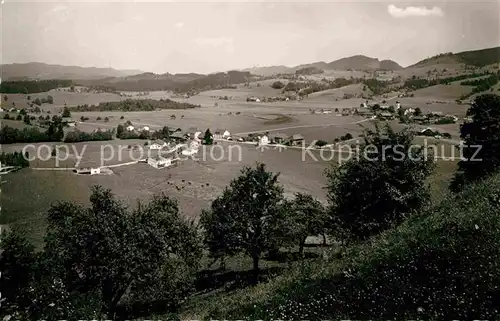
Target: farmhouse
[
  {"x": 88, "y": 170},
  {"x": 157, "y": 145},
  {"x": 130, "y": 128},
  {"x": 278, "y": 138},
  {"x": 296, "y": 139},
  {"x": 222, "y": 134},
  {"x": 264, "y": 140},
  {"x": 68, "y": 121},
  {"x": 160, "y": 162},
  {"x": 145, "y": 128},
  {"x": 386, "y": 115},
  {"x": 179, "y": 136},
  {"x": 193, "y": 133}
]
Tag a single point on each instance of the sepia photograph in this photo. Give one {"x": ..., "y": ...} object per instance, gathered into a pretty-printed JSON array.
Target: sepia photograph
[{"x": 249, "y": 160}]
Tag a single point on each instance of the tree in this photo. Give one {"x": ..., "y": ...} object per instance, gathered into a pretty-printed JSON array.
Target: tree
[
  {"x": 418, "y": 111},
  {"x": 370, "y": 193},
  {"x": 392, "y": 109},
  {"x": 248, "y": 213},
  {"x": 66, "y": 112},
  {"x": 122, "y": 117},
  {"x": 208, "y": 138},
  {"x": 321, "y": 143},
  {"x": 82, "y": 119},
  {"x": 139, "y": 253},
  {"x": 6, "y": 116},
  {"x": 5, "y": 98},
  {"x": 27, "y": 120},
  {"x": 277, "y": 85},
  {"x": 50, "y": 99},
  {"x": 220, "y": 229},
  {"x": 481, "y": 142},
  {"x": 19, "y": 117},
  {"x": 106, "y": 119},
  {"x": 119, "y": 130},
  {"x": 306, "y": 217},
  {"x": 28, "y": 98}
]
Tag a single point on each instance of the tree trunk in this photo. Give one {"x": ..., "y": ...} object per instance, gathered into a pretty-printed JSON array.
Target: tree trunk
[
  {"x": 255, "y": 260},
  {"x": 222, "y": 263}
]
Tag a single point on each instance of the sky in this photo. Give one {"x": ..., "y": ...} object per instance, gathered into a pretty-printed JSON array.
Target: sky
[{"x": 206, "y": 37}]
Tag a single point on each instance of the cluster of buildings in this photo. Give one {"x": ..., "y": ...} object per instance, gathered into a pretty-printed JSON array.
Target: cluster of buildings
[{"x": 278, "y": 138}]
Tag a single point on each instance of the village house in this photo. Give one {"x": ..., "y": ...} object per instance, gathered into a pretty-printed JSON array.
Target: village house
[
  {"x": 158, "y": 145},
  {"x": 263, "y": 140},
  {"x": 222, "y": 134},
  {"x": 145, "y": 128},
  {"x": 296, "y": 139},
  {"x": 68, "y": 121},
  {"x": 179, "y": 136},
  {"x": 409, "y": 111},
  {"x": 278, "y": 138},
  {"x": 346, "y": 111},
  {"x": 398, "y": 105},
  {"x": 386, "y": 116},
  {"x": 130, "y": 128},
  {"x": 159, "y": 161},
  {"x": 88, "y": 168},
  {"x": 420, "y": 119},
  {"x": 194, "y": 133}
]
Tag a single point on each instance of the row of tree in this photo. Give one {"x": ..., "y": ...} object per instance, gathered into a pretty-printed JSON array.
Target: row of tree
[
  {"x": 135, "y": 105},
  {"x": 14, "y": 159},
  {"x": 79, "y": 136},
  {"x": 32, "y": 86},
  {"x": 10, "y": 135}
]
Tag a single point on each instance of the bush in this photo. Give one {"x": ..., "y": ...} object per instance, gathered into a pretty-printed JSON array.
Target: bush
[
  {"x": 277, "y": 85},
  {"x": 321, "y": 143}
]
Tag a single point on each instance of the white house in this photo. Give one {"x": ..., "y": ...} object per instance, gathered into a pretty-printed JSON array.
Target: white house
[
  {"x": 130, "y": 128},
  {"x": 398, "y": 105},
  {"x": 159, "y": 162},
  {"x": 226, "y": 134},
  {"x": 264, "y": 140},
  {"x": 157, "y": 145},
  {"x": 146, "y": 128},
  {"x": 95, "y": 171},
  {"x": 409, "y": 111}
]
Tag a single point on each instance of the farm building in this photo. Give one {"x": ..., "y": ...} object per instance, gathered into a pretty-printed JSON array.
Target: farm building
[
  {"x": 263, "y": 140},
  {"x": 222, "y": 134},
  {"x": 278, "y": 138},
  {"x": 145, "y": 128},
  {"x": 68, "y": 121},
  {"x": 296, "y": 139},
  {"x": 160, "y": 162},
  {"x": 158, "y": 144},
  {"x": 130, "y": 128},
  {"x": 179, "y": 136},
  {"x": 386, "y": 115},
  {"x": 88, "y": 170},
  {"x": 194, "y": 133}
]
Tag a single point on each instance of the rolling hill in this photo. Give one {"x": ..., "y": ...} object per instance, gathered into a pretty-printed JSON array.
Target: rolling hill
[
  {"x": 38, "y": 70},
  {"x": 180, "y": 82},
  {"x": 358, "y": 62},
  {"x": 478, "y": 58}
]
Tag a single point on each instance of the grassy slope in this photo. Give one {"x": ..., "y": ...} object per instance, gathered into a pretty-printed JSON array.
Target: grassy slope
[{"x": 418, "y": 256}]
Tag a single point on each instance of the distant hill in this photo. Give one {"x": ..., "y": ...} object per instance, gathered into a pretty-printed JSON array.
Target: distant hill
[
  {"x": 360, "y": 62},
  {"x": 309, "y": 71},
  {"x": 177, "y": 82},
  {"x": 270, "y": 70},
  {"x": 37, "y": 70},
  {"x": 357, "y": 62},
  {"x": 478, "y": 58}
]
